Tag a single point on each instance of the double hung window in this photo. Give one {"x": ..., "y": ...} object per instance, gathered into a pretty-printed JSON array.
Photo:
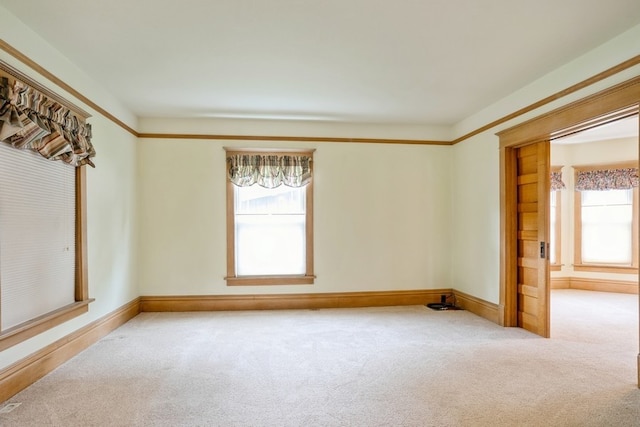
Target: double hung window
[
  {"x": 269, "y": 217},
  {"x": 607, "y": 225},
  {"x": 606, "y": 210}
]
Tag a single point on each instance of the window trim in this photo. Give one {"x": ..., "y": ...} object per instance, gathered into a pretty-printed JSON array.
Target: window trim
[
  {"x": 33, "y": 327},
  {"x": 578, "y": 265},
  {"x": 268, "y": 280}
]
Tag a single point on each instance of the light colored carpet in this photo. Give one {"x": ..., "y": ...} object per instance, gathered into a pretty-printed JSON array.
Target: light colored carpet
[{"x": 393, "y": 366}]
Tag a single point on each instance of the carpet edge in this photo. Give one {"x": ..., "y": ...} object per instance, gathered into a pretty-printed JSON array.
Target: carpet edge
[{"x": 30, "y": 369}]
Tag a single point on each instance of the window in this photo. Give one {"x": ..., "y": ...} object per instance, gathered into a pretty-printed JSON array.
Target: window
[
  {"x": 606, "y": 221},
  {"x": 607, "y": 218},
  {"x": 44, "y": 141},
  {"x": 269, "y": 217},
  {"x": 554, "y": 232},
  {"x": 42, "y": 270},
  {"x": 557, "y": 185}
]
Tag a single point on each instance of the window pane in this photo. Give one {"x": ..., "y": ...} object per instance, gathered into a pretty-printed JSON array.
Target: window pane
[
  {"x": 270, "y": 231},
  {"x": 606, "y": 198},
  {"x": 607, "y": 226},
  {"x": 260, "y": 200},
  {"x": 552, "y": 230}
]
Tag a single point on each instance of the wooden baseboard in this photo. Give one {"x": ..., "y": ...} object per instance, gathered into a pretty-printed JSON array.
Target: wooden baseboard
[
  {"x": 25, "y": 372},
  {"x": 600, "y": 285},
  {"x": 561, "y": 283},
  {"x": 470, "y": 303},
  {"x": 478, "y": 306},
  {"x": 290, "y": 301}
]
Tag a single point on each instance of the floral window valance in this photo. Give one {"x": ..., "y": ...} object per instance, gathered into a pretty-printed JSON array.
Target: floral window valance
[
  {"x": 607, "y": 179},
  {"x": 30, "y": 120},
  {"x": 269, "y": 170},
  {"x": 556, "y": 181}
]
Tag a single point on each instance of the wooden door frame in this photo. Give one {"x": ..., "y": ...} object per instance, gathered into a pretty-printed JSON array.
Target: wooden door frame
[{"x": 618, "y": 101}]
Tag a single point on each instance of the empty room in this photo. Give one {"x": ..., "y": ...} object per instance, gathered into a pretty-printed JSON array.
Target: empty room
[{"x": 334, "y": 213}]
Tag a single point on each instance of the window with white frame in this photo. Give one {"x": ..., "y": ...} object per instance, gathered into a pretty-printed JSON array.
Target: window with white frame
[
  {"x": 607, "y": 225},
  {"x": 269, "y": 217},
  {"x": 606, "y": 210},
  {"x": 270, "y": 230},
  {"x": 557, "y": 186},
  {"x": 554, "y": 228}
]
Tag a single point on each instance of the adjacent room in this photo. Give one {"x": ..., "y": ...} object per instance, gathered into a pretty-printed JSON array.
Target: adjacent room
[{"x": 238, "y": 213}]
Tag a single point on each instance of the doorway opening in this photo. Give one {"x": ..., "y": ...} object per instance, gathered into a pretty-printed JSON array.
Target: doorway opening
[
  {"x": 612, "y": 104},
  {"x": 593, "y": 234}
]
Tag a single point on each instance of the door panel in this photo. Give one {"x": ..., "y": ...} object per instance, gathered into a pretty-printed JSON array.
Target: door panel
[
  {"x": 532, "y": 170},
  {"x": 529, "y": 249}
]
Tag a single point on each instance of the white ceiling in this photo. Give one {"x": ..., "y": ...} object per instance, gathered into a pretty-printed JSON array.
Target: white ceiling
[
  {"x": 406, "y": 61},
  {"x": 625, "y": 128}
]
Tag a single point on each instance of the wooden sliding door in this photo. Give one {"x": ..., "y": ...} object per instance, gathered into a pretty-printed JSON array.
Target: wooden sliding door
[{"x": 532, "y": 273}]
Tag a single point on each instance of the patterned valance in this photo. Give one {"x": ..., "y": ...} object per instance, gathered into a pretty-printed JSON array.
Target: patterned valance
[
  {"x": 607, "y": 179},
  {"x": 269, "y": 171},
  {"x": 556, "y": 181},
  {"x": 30, "y": 120}
]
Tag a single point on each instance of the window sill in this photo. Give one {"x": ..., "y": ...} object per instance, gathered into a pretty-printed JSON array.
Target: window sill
[
  {"x": 606, "y": 268},
  {"x": 555, "y": 267},
  {"x": 269, "y": 280},
  {"x": 31, "y": 328}
]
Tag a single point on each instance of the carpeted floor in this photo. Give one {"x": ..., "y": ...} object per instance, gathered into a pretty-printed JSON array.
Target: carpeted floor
[{"x": 393, "y": 366}]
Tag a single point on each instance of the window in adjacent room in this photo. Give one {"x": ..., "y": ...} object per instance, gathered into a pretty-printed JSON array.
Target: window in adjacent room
[
  {"x": 606, "y": 218},
  {"x": 557, "y": 185},
  {"x": 269, "y": 217},
  {"x": 554, "y": 237}
]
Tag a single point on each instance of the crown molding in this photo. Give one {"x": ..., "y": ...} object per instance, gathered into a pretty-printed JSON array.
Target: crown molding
[
  {"x": 556, "y": 96},
  {"x": 60, "y": 83}
]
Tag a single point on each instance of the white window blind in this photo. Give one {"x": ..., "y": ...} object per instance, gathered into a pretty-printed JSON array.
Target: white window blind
[
  {"x": 270, "y": 230},
  {"x": 607, "y": 220},
  {"x": 37, "y": 235}
]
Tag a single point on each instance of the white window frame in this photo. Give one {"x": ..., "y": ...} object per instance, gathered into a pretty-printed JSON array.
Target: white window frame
[{"x": 579, "y": 264}]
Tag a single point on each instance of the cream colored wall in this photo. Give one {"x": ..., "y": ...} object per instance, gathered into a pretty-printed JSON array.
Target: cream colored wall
[
  {"x": 599, "y": 152},
  {"x": 381, "y": 212},
  {"x": 476, "y": 217},
  {"x": 293, "y": 128},
  {"x": 111, "y": 195}
]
